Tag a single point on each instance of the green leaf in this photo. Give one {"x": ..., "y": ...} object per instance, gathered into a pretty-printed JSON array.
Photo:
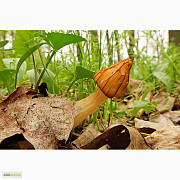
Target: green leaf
[
  {"x": 146, "y": 93},
  {"x": 139, "y": 105},
  {"x": 2, "y": 66},
  {"x": 24, "y": 40},
  {"x": 165, "y": 79},
  {"x": 120, "y": 114},
  {"x": 48, "y": 80},
  {"x": 82, "y": 72},
  {"x": 45, "y": 78},
  {"x": 6, "y": 75},
  {"x": 59, "y": 40},
  {"x": 11, "y": 63},
  {"x": 31, "y": 76},
  {"x": 154, "y": 103},
  {"x": 7, "y": 78},
  {"x": 3, "y": 43},
  {"x": 148, "y": 108},
  {"x": 24, "y": 57}
]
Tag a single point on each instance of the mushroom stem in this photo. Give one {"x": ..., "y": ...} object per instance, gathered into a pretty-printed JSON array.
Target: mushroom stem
[{"x": 89, "y": 105}]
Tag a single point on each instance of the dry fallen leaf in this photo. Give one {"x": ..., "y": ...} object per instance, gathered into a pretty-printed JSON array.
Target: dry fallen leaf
[
  {"x": 168, "y": 137},
  {"x": 115, "y": 137},
  {"x": 161, "y": 136},
  {"x": 160, "y": 118},
  {"x": 164, "y": 102},
  {"x": 88, "y": 135},
  {"x": 174, "y": 116},
  {"x": 42, "y": 120}
]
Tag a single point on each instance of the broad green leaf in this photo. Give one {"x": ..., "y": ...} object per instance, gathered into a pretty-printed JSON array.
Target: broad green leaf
[
  {"x": 31, "y": 76},
  {"x": 139, "y": 105},
  {"x": 3, "y": 43},
  {"x": 82, "y": 72},
  {"x": 48, "y": 80},
  {"x": 154, "y": 103},
  {"x": 3, "y": 91},
  {"x": 2, "y": 66},
  {"x": 165, "y": 79},
  {"x": 59, "y": 40},
  {"x": 5, "y": 75},
  {"x": 120, "y": 114},
  {"x": 25, "y": 40},
  {"x": 45, "y": 78},
  {"x": 11, "y": 63},
  {"x": 7, "y": 78},
  {"x": 148, "y": 108},
  {"x": 24, "y": 57}
]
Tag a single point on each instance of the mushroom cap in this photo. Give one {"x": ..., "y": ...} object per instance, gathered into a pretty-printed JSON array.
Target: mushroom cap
[{"x": 113, "y": 81}]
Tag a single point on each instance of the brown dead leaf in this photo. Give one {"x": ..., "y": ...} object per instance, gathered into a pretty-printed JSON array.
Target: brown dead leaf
[
  {"x": 160, "y": 118},
  {"x": 147, "y": 126},
  {"x": 162, "y": 136},
  {"x": 174, "y": 116},
  {"x": 42, "y": 120},
  {"x": 168, "y": 137},
  {"x": 137, "y": 140},
  {"x": 164, "y": 102},
  {"x": 88, "y": 135},
  {"x": 116, "y": 137}
]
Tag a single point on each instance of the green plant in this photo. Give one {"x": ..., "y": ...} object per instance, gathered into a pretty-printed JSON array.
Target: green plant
[
  {"x": 145, "y": 105},
  {"x": 54, "y": 40}
]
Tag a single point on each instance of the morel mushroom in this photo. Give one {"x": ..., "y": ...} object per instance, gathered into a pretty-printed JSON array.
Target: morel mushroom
[{"x": 111, "y": 82}]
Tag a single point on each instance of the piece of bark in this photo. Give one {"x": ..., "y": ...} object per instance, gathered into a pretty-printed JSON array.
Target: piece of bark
[{"x": 42, "y": 120}]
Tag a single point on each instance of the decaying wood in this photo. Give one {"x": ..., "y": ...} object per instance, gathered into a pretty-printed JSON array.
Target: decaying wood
[{"x": 42, "y": 120}]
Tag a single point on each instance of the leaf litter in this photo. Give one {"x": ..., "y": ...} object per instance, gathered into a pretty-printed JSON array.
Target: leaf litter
[{"x": 46, "y": 123}]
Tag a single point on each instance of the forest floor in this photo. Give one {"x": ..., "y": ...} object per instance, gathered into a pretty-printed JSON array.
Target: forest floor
[{"x": 159, "y": 129}]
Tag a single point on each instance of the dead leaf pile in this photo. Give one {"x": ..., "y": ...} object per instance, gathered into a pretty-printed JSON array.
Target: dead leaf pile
[{"x": 43, "y": 121}]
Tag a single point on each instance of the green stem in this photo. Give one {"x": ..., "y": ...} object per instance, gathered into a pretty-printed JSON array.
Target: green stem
[
  {"x": 46, "y": 70},
  {"x": 42, "y": 73},
  {"x": 35, "y": 70},
  {"x": 71, "y": 85}
]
